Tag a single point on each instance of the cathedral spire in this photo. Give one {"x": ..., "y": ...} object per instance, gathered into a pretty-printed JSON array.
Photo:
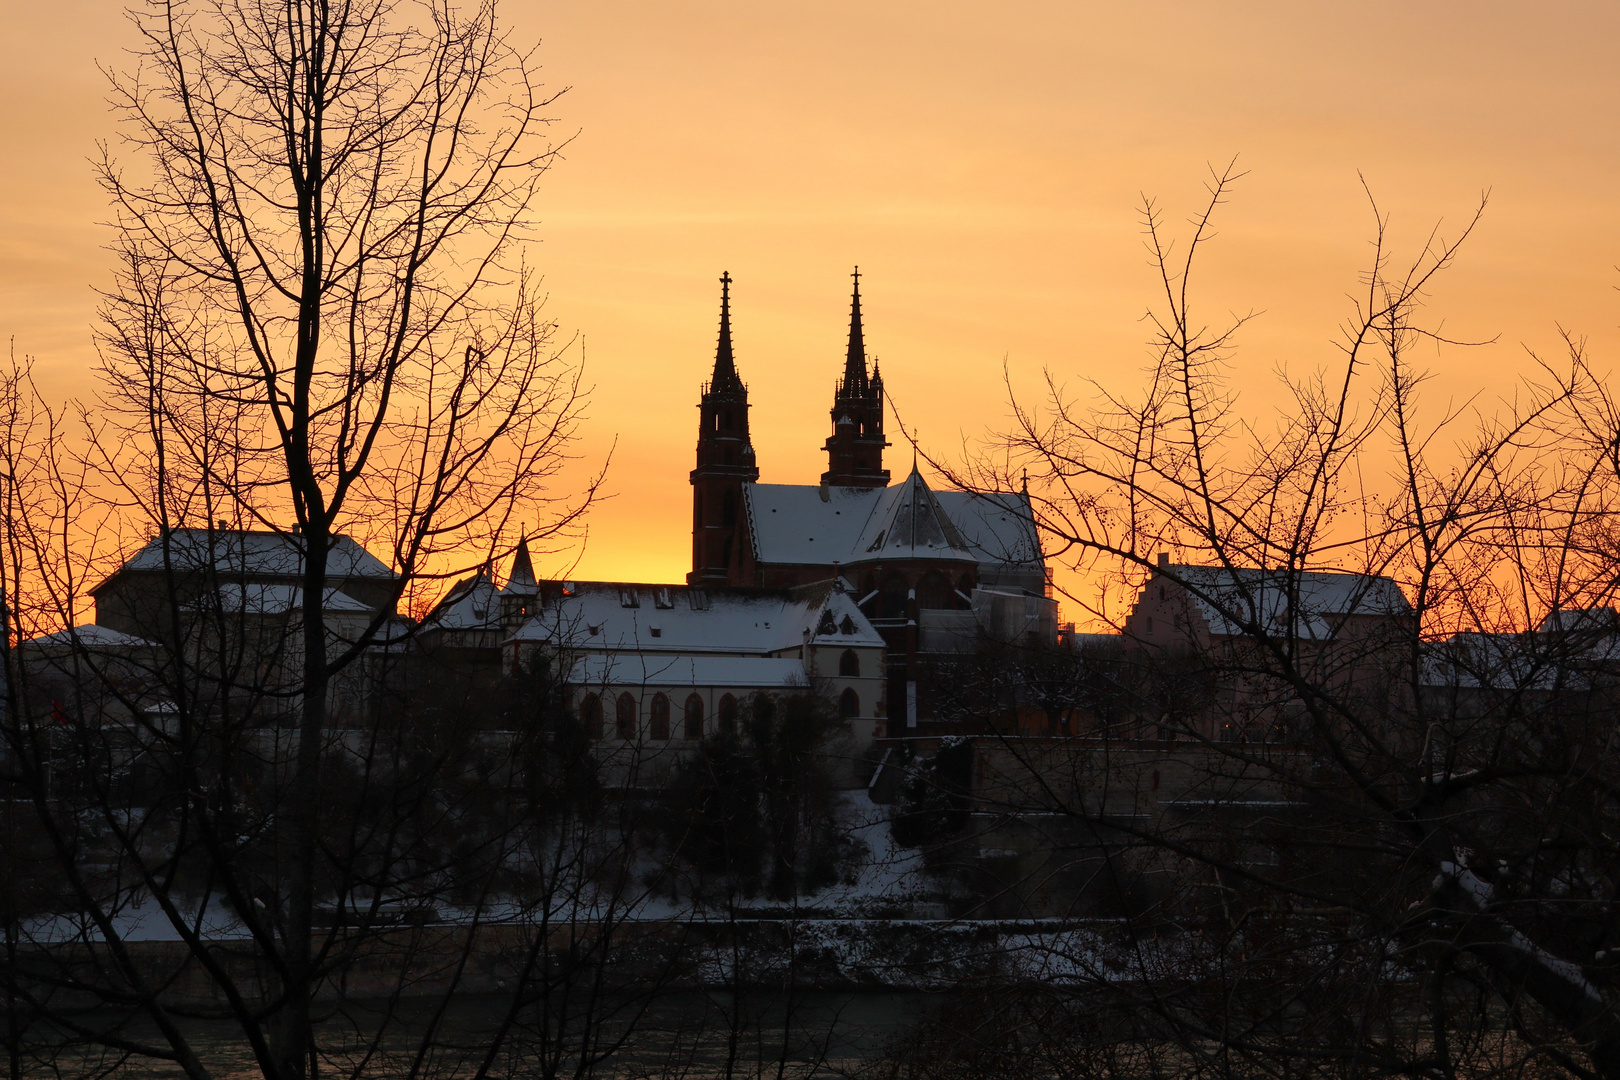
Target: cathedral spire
[
  {"x": 725, "y": 368},
  {"x": 855, "y": 364}
]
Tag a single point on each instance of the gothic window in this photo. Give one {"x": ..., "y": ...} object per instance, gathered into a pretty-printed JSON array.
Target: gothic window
[
  {"x": 693, "y": 719},
  {"x": 849, "y": 665},
  {"x": 627, "y": 717},
  {"x": 893, "y": 600},
  {"x": 934, "y": 592},
  {"x": 764, "y": 708},
  {"x": 728, "y": 714},
  {"x": 849, "y": 703},
  {"x": 660, "y": 717},
  {"x": 590, "y": 716}
]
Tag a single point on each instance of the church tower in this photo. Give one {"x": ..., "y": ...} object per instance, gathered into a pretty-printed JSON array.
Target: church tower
[
  {"x": 855, "y": 449},
  {"x": 725, "y": 459}
]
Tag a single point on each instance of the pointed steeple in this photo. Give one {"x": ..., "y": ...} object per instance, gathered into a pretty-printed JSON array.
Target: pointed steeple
[
  {"x": 725, "y": 367},
  {"x": 521, "y": 579},
  {"x": 855, "y": 363}
]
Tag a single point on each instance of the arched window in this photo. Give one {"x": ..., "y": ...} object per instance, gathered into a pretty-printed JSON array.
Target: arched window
[
  {"x": 627, "y": 717},
  {"x": 728, "y": 714},
  {"x": 659, "y": 721},
  {"x": 934, "y": 592},
  {"x": 764, "y": 708},
  {"x": 590, "y": 716},
  {"x": 849, "y": 665},
  {"x": 892, "y": 603},
  {"x": 849, "y": 704},
  {"x": 694, "y": 717}
]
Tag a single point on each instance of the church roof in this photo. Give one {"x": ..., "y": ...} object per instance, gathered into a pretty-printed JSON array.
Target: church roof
[
  {"x": 804, "y": 524},
  {"x": 630, "y": 617},
  {"x": 907, "y": 523}
]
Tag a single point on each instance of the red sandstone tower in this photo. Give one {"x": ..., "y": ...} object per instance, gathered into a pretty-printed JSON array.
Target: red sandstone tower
[
  {"x": 855, "y": 450},
  {"x": 725, "y": 459}
]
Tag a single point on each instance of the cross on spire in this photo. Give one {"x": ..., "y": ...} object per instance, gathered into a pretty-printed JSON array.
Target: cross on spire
[
  {"x": 855, "y": 364},
  {"x": 725, "y": 368}
]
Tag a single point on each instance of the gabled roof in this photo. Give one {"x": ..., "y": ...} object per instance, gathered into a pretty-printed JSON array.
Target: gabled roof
[
  {"x": 89, "y": 636},
  {"x": 1308, "y": 599},
  {"x": 245, "y": 553},
  {"x": 806, "y": 524},
  {"x": 261, "y": 599},
  {"x": 907, "y": 522},
  {"x": 471, "y": 604},
  {"x": 998, "y": 527},
  {"x": 628, "y": 617}
]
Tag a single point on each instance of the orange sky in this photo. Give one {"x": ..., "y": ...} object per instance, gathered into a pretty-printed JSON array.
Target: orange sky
[{"x": 982, "y": 163}]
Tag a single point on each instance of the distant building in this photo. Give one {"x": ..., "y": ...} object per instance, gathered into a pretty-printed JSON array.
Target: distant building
[{"x": 923, "y": 565}]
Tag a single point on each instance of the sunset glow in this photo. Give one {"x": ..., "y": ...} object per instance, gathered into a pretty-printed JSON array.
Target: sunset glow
[{"x": 985, "y": 165}]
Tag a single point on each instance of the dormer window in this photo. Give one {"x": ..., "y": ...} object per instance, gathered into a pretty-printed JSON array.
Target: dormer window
[
  {"x": 698, "y": 599},
  {"x": 628, "y": 598},
  {"x": 828, "y": 626},
  {"x": 656, "y": 631},
  {"x": 847, "y": 626},
  {"x": 662, "y": 599},
  {"x": 594, "y": 630}
]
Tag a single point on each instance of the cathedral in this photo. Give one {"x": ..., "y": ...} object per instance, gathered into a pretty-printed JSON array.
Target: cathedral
[{"x": 929, "y": 569}]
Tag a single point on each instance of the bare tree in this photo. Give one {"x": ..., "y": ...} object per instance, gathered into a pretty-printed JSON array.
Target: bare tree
[{"x": 1390, "y": 849}]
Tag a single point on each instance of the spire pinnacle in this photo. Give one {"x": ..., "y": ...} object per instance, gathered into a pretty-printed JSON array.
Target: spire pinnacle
[
  {"x": 855, "y": 364},
  {"x": 725, "y": 368}
]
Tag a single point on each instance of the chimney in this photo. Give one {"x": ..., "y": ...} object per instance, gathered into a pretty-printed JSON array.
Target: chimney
[{"x": 1164, "y": 560}]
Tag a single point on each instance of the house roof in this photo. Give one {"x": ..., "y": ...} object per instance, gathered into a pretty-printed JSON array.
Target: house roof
[
  {"x": 248, "y": 553},
  {"x": 262, "y": 599},
  {"x": 1230, "y": 598},
  {"x": 688, "y": 672},
  {"x": 800, "y": 524},
  {"x": 90, "y": 636},
  {"x": 628, "y": 616},
  {"x": 472, "y": 603}
]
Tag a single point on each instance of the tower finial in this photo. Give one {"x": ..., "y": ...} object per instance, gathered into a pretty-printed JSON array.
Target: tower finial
[
  {"x": 725, "y": 367},
  {"x": 855, "y": 364}
]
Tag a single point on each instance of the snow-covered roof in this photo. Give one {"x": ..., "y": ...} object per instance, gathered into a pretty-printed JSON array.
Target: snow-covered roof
[
  {"x": 1229, "y": 598},
  {"x": 627, "y": 616},
  {"x": 252, "y": 554},
  {"x": 998, "y": 527},
  {"x": 908, "y": 523},
  {"x": 260, "y": 599},
  {"x": 805, "y": 523},
  {"x": 471, "y": 604},
  {"x": 90, "y": 636},
  {"x": 1597, "y": 621},
  {"x": 821, "y": 525},
  {"x": 682, "y": 672}
]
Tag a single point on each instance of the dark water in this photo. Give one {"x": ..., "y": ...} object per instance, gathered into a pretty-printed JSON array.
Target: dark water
[{"x": 685, "y": 1036}]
